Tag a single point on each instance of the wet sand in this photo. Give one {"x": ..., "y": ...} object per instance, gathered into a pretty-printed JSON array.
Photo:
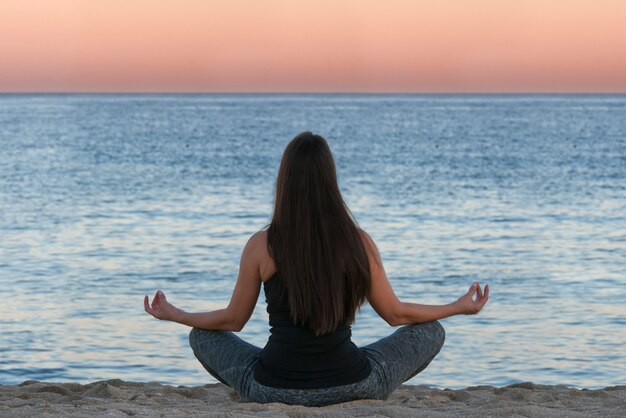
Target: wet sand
[{"x": 117, "y": 398}]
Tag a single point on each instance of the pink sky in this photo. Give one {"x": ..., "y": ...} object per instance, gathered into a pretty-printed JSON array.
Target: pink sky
[{"x": 313, "y": 45}]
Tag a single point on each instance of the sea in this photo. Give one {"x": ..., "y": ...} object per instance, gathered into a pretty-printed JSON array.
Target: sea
[{"x": 105, "y": 198}]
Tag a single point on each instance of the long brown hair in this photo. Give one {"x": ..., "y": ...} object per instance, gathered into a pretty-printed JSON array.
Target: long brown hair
[{"x": 314, "y": 239}]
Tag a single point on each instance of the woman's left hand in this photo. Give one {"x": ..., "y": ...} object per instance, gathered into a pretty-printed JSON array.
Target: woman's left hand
[{"x": 160, "y": 307}]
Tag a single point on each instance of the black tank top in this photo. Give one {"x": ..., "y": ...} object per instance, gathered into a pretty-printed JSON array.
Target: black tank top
[{"x": 295, "y": 358}]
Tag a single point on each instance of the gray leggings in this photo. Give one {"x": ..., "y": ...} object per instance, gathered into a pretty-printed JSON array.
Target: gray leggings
[{"x": 394, "y": 360}]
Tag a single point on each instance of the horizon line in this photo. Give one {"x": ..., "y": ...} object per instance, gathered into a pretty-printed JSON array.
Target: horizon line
[{"x": 410, "y": 93}]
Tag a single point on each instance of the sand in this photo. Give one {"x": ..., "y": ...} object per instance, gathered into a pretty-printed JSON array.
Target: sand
[{"x": 117, "y": 398}]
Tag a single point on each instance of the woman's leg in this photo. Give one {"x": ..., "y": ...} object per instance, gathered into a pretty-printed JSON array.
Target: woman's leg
[
  {"x": 394, "y": 359},
  {"x": 368, "y": 388},
  {"x": 225, "y": 356},
  {"x": 403, "y": 354}
]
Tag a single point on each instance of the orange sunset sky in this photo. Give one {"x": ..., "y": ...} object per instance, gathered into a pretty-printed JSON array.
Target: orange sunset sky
[{"x": 313, "y": 45}]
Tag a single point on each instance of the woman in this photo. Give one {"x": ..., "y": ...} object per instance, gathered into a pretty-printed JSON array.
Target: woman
[{"x": 317, "y": 268}]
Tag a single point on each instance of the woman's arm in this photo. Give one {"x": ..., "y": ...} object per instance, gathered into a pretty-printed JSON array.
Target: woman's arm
[
  {"x": 162, "y": 309},
  {"x": 242, "y": 302},
  {"x": 410, "y": 313},
  {"x": 218, "y": 320},
  {"x": 385, "y": 302}
]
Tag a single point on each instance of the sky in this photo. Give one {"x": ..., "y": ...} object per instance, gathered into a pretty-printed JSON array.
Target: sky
[{"x": 404, "y": 46}]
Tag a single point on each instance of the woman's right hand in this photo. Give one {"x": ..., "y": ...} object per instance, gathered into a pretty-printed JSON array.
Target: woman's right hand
[
  {"x": 467, "y": 305},
  {"x": 160, "y": 307}
]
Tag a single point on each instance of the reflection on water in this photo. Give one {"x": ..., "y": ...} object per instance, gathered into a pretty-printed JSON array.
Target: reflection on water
[{"x": 106, "y": 198}]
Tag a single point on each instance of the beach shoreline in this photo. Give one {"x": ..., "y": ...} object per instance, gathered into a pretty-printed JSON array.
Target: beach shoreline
[{"x": 116, "y": 397}]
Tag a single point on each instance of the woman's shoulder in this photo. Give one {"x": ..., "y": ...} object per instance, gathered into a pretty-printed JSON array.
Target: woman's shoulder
[
  {"x": 367, "y": 240},
  {"x": 258, "y": 245},
  {"x": 259, "y": 237}
]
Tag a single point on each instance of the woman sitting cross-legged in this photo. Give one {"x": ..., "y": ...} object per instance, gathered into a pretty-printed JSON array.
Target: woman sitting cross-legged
[{"x": 317, "y": 267}]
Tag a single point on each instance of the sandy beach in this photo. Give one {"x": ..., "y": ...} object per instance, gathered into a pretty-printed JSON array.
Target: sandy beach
[{"x": 113, "y": 398}]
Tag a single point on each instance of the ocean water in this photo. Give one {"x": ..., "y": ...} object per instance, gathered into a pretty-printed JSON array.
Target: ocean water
[{"x": 105, "y": 198}]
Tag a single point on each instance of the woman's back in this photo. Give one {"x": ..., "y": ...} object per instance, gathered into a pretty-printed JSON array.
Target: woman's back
[{"x": 295, "y": 358}]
